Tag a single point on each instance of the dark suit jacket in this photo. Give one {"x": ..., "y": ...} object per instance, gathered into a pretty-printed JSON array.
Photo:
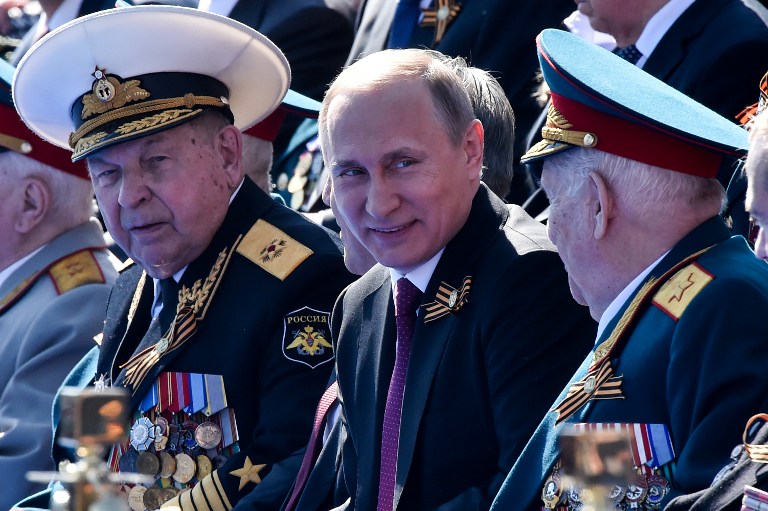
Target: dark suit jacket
[
  {"x": 479, "y": 379},
  {"x": 243, "y": 335},
  {"x": 710, "y": 54},
  {"x": 700, "y": 375},
  {"x": 87, "y": 7},
  {"x": 496, "y": 35},
  {"x": 726, "y": 494}
]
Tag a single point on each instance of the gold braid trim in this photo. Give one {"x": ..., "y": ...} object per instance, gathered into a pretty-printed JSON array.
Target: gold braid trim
[
  {"x": 16, "y": 145},
  {"x": 193, "y": 303},
  {"x": 188, "y": 101}
]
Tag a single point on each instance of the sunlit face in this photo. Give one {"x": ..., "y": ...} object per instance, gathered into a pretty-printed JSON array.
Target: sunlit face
[
  {"x": 163, "y": 196},
  {"x": 570, "y": 229},
  {"x": 757, "y": 198},
  {"x": 399, "y": 184},
  {"x": 357, "y": 259}
]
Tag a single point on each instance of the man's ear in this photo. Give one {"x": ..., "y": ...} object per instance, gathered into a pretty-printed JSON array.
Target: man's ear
[
  {"x": 34, "y": 204},
  {"x": 473, "y": 147},
  {"x": 230, "y": 144},
  {"x": 602, "y": 205}
]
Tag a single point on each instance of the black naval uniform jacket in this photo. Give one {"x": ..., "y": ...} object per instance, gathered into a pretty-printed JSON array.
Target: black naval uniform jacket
[
  {"x": 244, "y": 336},
  {"x": 479, "y": 379},
  {"x": 726, "y": 493},
  {"x": 692, "y": 360}
]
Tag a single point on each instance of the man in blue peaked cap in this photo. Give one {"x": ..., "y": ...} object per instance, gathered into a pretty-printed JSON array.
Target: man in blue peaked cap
[{"x": 677, "y": 367}]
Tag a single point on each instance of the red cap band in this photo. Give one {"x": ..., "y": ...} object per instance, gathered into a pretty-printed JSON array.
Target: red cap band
[
  {"x": 40, "y": 150},
  {"x": 639, "y": 142},
  {"x": 269, "y": 127}
]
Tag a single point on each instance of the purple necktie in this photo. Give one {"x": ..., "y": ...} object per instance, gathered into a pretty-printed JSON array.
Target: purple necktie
[
  {"x": 629, "y": 53},
  {"x": 407, "y": 298}
]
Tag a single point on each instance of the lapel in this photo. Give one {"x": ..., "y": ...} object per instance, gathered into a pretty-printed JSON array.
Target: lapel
[
  {"x": 239, "y": 219},
  {"x": 374, "y": 361},
  {"x": 672, "y": 48},
  {"x": 481, "y": 229},
  {"x": 525, "y": 480},
  {"x": 125, "y": 333}
]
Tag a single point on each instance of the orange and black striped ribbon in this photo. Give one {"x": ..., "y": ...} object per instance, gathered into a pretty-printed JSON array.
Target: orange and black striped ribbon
[
  {"x": 432, "y": 18},
  {"x": 442, "y": 304},
  {"x": 606, "y": 385}
]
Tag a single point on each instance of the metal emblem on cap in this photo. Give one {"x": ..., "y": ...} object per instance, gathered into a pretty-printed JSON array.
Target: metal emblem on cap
[{"x": 108, "y": 93}]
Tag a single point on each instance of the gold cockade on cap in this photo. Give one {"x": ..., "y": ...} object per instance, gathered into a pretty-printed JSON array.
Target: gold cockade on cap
[
  {"x": 108, "y": 93},
  {"x": 558, "y": 129}
]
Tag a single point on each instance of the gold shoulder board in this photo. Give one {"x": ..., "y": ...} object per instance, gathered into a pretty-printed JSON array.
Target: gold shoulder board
[
  {"x": 675, "y": 295},
  {"x": 76, "y": 270},
  {"x": 272, "y": 249}
]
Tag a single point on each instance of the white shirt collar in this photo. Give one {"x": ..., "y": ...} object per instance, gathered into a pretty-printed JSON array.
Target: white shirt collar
[
  {"x": 223, "y": 7},
  {"x": 622, "y": 297},
  {"x": 657, "y": 26},
  {"x": 15, "y": 266},
  {"x": 420, "y": 275}
]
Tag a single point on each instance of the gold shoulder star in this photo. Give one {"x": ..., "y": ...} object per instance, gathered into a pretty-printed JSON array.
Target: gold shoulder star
[{"x": 249, "y": 473}]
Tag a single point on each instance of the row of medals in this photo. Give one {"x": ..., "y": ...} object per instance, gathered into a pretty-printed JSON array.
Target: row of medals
[
  {"x": 643, "y": 493},
  {"x": 173, "y": 453}
]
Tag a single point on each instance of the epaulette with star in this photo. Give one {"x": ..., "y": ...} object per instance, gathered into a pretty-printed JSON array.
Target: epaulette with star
[
  {"x": 678, "y": 292},
  {"x": 272, "y": 249},
  {"x": 67, "y": 273}
]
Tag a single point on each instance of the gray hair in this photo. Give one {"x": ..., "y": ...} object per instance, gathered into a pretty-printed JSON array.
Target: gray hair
[
  {"x": 72, "y": 197},
  {"x": 757, "y": 158},
  {"x": 645, "y": 190},
  {"x": 491, "y": 106},
  {"x": 452, "y": 105}
]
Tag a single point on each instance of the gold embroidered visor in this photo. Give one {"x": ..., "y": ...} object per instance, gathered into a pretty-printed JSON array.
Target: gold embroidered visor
[{"x": 117, "y": 110}]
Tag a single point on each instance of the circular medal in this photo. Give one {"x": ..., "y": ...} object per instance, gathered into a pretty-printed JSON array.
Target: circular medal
[
  {"x": 162, "y": 425},
  {"x": 127, "y": 461},
  {"x": 636, "y": 492},
  {"x": 161, "y": 443},
  {"x": 589, "y": 385},
  {"x": 204, "y": 466},
  {"x": 658, "y": 487},
  {"x": 142, "y": 434},
  {"x": 167, "y": 465},
  {"x": 152, "y": 498},
  {"x": 185, "y": 468},
  {"x": 162, "y": 345},
  {"x": 208, "y": 435},
  {"x": 147, "y": 464},
  {"x": 453, "y": 299},
  {"x": 136, "y": 498},
  {"x": 551, "y": 492},
  {"x": 617, "y": 494},
  {"x": 168, "y": 494}
]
